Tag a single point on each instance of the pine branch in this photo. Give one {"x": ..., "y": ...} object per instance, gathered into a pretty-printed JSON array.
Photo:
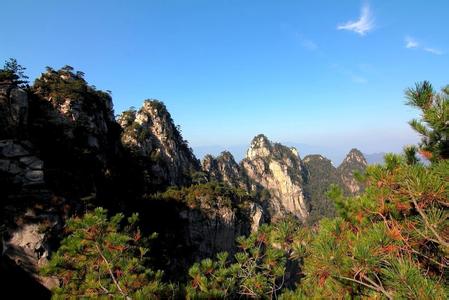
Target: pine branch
[
  {"x": 441, "y": 241},
  {"x": 375, "y": 287},
  {"x": 111, "y": 273}
]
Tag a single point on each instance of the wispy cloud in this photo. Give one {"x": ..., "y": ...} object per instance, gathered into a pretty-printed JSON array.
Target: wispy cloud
[
  {"x": 306, "y": 42},
  {"x": 412, "y": 43},
  {"x": 363, "y": 25},
  {"x": 434, "y": 51}
]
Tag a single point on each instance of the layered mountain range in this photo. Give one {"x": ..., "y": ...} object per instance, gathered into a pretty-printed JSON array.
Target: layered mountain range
[{"x": 62, "y": 152}]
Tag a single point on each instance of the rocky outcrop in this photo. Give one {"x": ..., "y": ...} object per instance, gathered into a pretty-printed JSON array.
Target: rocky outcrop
[
  {"x": 13, "y": 111},
  {"x": 151, "y": 134},
  {"x": 224, "y": 168},
  {"x": 212, "y": 227},
  {"x": 31, "y": 222},
  {"x": 278, "y": 170},
  {"x": 284, "y": 183},
  {"x": 56, "y": 146},
  {"x": 272, "y": 171},
  {"x": 18, "y": 161},
  {"x": 84, "y": 115},
  {"x": 353, "y": 163}
]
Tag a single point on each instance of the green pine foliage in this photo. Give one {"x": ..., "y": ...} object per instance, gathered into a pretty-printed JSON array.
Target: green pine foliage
[
  {"x": 66, "y": 83},
  {"x": 13, "y": 72},
  {"x": 104, "y": 258},
  {"x": 257, "y": 270},
  {"x": 434, "y": 124},
  {"x": 390, "y": 242},
  {"x": 210, "y": 194}
]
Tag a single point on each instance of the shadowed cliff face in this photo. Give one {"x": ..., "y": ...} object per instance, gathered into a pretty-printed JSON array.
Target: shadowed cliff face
[{"x": 321, "y": 174}]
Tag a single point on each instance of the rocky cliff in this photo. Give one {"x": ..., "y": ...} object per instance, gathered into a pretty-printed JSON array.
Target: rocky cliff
[
  {"x": 271, "y": 171},
  {"x": 13, "y": 111},
  {"x": 224, "y": 168},
  {"x": 353, "y": 163},
  {"x": 152, "y": 136},
  {"x": 284, "y": 183},
  {"x": 278, "y": 170}
]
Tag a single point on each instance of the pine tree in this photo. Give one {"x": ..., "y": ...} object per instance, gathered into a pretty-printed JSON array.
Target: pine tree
[
  {"x": 101, "y": 258},
  {"x": 257, "y": 270},
  {"x": 434, "y": 124},
  {"x": 390, "y": 242},
  {"x": 13, "y": 72}
]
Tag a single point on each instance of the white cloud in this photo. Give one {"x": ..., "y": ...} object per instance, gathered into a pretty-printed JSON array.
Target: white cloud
[
  {"x": 434, "y": 51},
  {"x": 363, "y": 25},
  {"x": 410, "y": 42}
]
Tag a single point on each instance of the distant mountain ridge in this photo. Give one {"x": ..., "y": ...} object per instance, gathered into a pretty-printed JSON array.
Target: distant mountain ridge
[{"x": 336, "y": 156}]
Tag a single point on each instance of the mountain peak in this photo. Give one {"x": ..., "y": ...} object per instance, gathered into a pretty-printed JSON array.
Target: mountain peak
[
  {"x": 355, "y": 156},
  {"x": 354, "y": 162},
  {"x": 260, "y": 146}
]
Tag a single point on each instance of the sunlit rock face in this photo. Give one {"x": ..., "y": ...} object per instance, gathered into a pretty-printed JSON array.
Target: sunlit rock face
[
  {"x": 354, "y": 162},
  {"x": 279, "y": 170},
  {"x": 151, "y": 133},
  {"x": 272, "y": 171}
]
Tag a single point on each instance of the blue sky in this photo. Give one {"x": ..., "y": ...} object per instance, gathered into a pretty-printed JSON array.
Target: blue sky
[{"x": 328, "y": 74}]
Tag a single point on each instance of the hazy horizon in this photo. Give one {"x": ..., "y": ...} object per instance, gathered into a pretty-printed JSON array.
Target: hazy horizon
[{"x": 331, "y": 75}]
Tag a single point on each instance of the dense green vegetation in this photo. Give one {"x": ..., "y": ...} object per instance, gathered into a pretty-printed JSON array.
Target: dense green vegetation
[
  {"x": 321, "y": 174},
  {"x": 389, "y": 242},
  {"x": 102, "y": 257},
  {"x": 207, "y": 194},
  {"x": 257, "y": 270}
]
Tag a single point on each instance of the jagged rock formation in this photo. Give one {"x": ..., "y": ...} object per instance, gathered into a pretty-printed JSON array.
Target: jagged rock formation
[
  {"x": 214, "y": 224},
  {"x": 200, "y": 220},
  {"x": 224, "y": 168},
  {"x": 30, "y": 212},
  {"x": 277, "y": 169},
  {"x": 58, "y": 146},
  {"x": 285, "y": 184},
  {"x": 73, "y": 126},
  {"x": 214, "y": 227},
  {"x": 151, "y": 134},
  {"x": 271, "y": 170},
  {"x": 354, "y": 162}
]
